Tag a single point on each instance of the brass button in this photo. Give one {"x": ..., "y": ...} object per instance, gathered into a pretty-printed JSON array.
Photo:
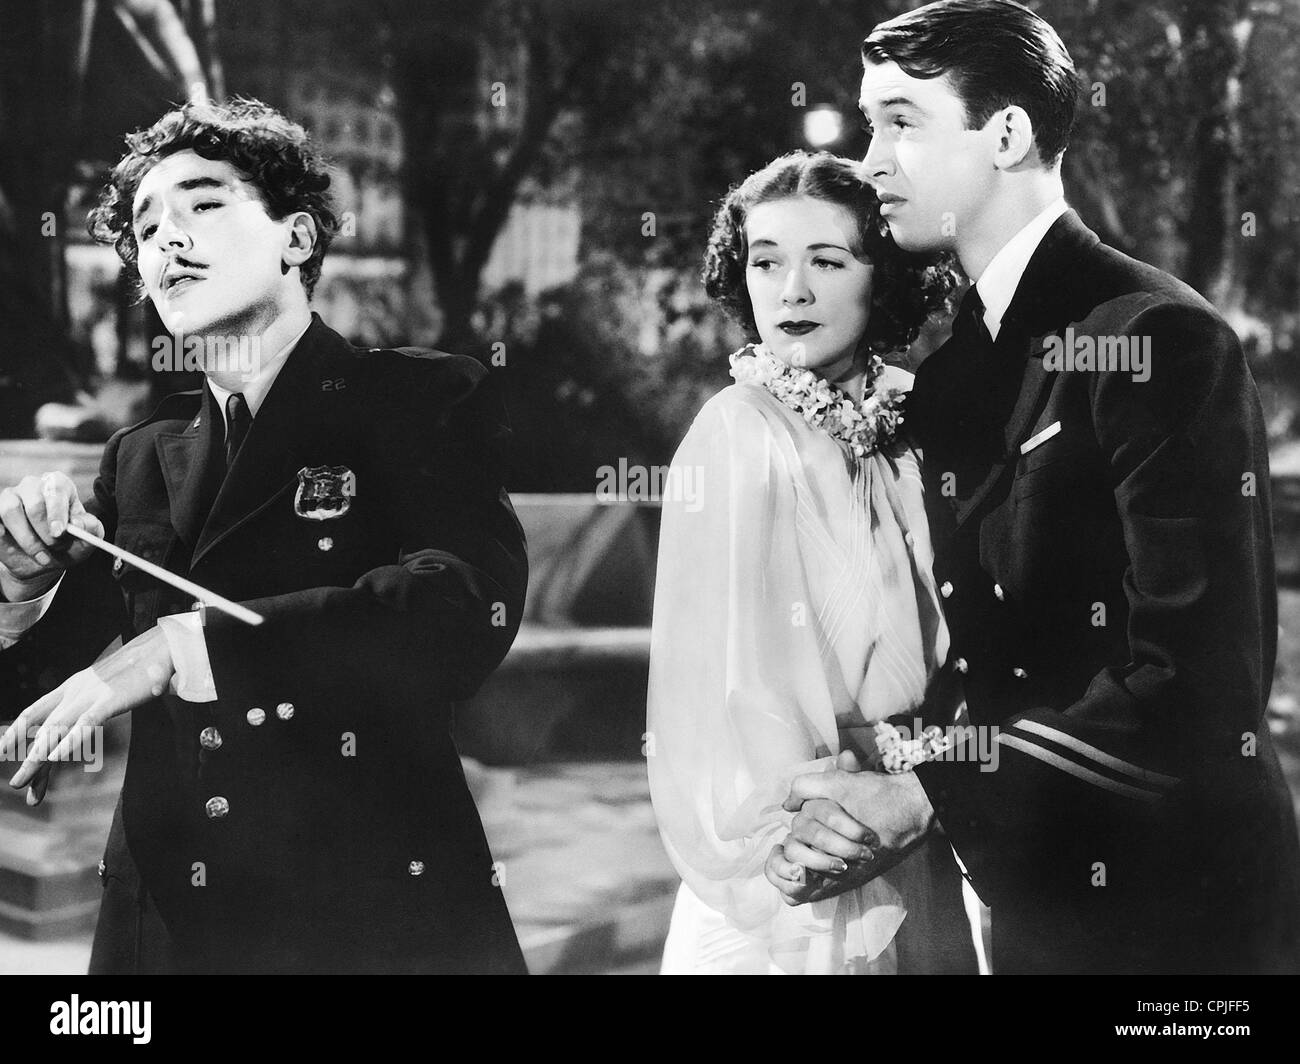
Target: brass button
[
  {"x": 325, "y": 543},
  {"x": 255, "y": 716},
  {"x": 118, "y": 565},
  {"x": 1019, "y": 673},
  {"x": 416, "y": 868},
  {"x": 961, "y": 665},
  {"x": 945, "y": 589},
  {"x": 210, "y": 739},
  {"x": 909, "y": 539},
  {"x": 998, "y": 593},
  {"x": 284, "y": 710},
  {"x": 196, "y": 605},
  {"x": 217, "y": 807},
  {"x": 100, "y": 869}
]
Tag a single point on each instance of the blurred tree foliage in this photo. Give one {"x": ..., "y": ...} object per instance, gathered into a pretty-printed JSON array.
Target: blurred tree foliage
[
  {"x": 74, "y": 79},
  {"x": 1185, "y": 154},
  {"x": 643, "y": 112}
]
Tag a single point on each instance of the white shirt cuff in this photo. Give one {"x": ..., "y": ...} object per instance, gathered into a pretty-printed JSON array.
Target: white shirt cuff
[
  {"x": 16, "y": 618},
  {"x": 192, "y": 679}
]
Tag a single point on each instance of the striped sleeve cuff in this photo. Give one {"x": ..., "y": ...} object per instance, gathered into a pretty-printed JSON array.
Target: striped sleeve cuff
[{"x": 1085, "y": 762}]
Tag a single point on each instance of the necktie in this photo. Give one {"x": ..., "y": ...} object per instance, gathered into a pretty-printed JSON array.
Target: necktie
[
  {"x": 971, "y": 318},
  {"x": 990, "y": 381},
  {"x": 238, "y": 419}
]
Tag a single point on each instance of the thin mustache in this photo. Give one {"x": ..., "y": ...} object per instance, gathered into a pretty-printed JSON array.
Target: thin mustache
[{"x": 176, "y": 265}]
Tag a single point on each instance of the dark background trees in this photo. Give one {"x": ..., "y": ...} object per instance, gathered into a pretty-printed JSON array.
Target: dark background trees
[{"x": 639, "y": 114}]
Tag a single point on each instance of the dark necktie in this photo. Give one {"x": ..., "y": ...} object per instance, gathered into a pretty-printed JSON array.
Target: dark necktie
[
  {"x": 238, "y": 419},
  {"x": 970, "y": 320},
  {"x": 990, "y": 381}
]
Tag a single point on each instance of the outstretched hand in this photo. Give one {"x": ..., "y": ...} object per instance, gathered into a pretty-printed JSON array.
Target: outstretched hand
[
  {"x": 116, "y": 684},
  {"x": 849, "y": 827}
]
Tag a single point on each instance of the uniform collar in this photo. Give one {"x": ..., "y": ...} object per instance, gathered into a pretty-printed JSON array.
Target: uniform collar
[
  {"x": 998, "y": 283},
  {"x": 256, "y": 388}
]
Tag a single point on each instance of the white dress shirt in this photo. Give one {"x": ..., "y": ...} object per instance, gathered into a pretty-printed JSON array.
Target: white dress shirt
[
  {"x": 17, "y": 617},
  {"x": 192, "y": 679},
  {"x": 997, "y": 287},
  {"x": 1001, "y": 277},
  {"x": 256, "y": 388}
]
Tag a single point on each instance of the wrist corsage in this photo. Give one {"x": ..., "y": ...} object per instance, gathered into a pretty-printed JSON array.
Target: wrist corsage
[{"x": 901, "y": 754}]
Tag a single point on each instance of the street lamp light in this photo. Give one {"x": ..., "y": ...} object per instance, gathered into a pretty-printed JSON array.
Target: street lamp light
[{"x": 823, "y": 125}]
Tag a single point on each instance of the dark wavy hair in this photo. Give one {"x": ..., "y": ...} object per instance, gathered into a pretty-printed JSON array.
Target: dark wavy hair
[
  {"x": 275, "y": 154},
  {"x": 996, "y": 53},
  {"x": 906, "y": 288}
]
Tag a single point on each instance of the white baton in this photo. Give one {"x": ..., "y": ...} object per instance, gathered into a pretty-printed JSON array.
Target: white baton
[{"x": 208, "y": 598}]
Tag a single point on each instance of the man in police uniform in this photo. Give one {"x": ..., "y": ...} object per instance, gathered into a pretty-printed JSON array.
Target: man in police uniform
[
  {"x": 293, "y": 799},
  {"x": 1097, "y": 479}
]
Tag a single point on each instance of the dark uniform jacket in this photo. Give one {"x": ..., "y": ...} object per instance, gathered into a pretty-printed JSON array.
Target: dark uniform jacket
[
  {"x": 315, "y": 817},
  {"x": 1104, "y": 549}
]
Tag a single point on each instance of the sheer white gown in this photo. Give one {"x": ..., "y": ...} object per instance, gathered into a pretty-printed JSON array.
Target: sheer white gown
[{"x": 794, "y": 607}]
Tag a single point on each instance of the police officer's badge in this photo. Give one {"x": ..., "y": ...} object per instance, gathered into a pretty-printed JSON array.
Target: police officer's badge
[{"x": 324, "y": 492}]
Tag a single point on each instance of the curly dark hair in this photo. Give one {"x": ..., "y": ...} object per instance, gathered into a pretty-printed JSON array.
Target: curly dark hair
[
  {"x": 268, "y": 149},
  {"x": 906, "y": 288}
]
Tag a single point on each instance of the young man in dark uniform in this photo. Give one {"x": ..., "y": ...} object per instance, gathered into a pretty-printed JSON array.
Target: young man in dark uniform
[
  {"x": 1097, "y": 480},
  {"x": 293, "y": 799}
]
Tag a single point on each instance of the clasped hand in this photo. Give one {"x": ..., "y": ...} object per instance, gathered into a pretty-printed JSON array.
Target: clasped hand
[{"x": 849, "y": 827}]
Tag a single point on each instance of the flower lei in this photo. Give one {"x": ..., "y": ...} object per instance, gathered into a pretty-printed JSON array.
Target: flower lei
[{"x": 864, "y": 427}]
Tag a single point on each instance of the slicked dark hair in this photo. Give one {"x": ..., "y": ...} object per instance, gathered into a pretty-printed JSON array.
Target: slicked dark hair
[
  {"x": 906, "y": 288},
  {"x": 275, "y": 154},
  {"x": 996, "y": 53}
]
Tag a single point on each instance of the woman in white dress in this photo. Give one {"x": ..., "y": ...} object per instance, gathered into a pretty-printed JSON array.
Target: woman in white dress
[{"x": 794, "y": 604}]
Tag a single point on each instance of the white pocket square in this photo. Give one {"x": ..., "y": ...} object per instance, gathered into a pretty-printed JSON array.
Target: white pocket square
[{"x": 1040, "y": 437}]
